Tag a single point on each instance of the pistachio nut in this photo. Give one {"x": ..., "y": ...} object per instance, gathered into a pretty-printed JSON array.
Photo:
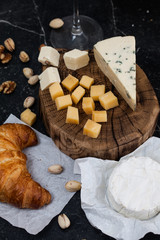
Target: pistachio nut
[
  {"x": 63, "y": 221},
  {"x": 24, "y": 57},
  {"x": 28, "y": 102},
  {"x": 28, "y": 72},
  {"x": 73, "y": 186},
  {"x": 33, "y": 80},
  {"x": 56, "y": 169},
  {"x": 56, "y": 23},
  {"x": 9, "y": 44}
]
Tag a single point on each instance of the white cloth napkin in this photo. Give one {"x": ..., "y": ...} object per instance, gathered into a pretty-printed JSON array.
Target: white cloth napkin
[
  {"x": 40, "y": 157},
  {"x": 94, "y": 178}
]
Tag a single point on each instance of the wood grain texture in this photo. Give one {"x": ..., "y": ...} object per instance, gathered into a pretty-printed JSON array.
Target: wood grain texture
[{"x": 125, "y": 129}]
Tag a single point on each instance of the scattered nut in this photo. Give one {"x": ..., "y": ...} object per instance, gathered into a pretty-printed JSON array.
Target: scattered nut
[
  {"x": 73, "y": 186},
  {"x": 9, "y": 44},
  {"x": 63, "y": 221},
  {"x": 42, "y": 45},
  {"x": 56, "y": 169},
  {"x": 24, "y": 56},
  {"x": 7, "y": 87},
  {"x": 28, "y": 72},
  {"x": 33, "y": 80},
  {"x": 2, "y": 48},
  {"x": 2, "y": 56},
  {"x": 56, "y": 23},
  {"x": 6, "y": 58},
  {"x": 28, "y": 102}
]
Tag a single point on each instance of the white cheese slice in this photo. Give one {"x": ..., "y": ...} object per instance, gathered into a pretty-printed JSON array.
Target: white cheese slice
[
  {"x": 134, "y": 188},
  {"x": 48, "y": 77},
  {"x": 117, "y": 60},
  {"x": 76, "y": 59},
  {"x": 49, "y": 56}
]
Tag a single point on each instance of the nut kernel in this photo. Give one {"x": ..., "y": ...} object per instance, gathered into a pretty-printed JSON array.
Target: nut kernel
[
  {"x": 28, "y": 72},
  {"x": 7, "y": 87},
  {"x": 33, "y": 80},
  {"x": 2, "y": 48},
  {"x": 2, "y": 56},
  {"x": 28, "y": 102},
  {"x": 56, "y": 23},
  {"x": 24, "y": 57},
  {"x": 73, "y": 186},
  {"x": 6, "y": 58},
  {"x": 9, "y": 44},
  {"x": 63, "y": 221},
  {"x": 56, "y": 169}
]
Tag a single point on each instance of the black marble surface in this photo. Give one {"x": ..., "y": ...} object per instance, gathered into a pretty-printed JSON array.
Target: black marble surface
[{"x": 27, "y": 23}]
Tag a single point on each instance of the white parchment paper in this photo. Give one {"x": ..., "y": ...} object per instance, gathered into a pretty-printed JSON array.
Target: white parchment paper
[
  {"x": 94, "y": 178},
  {"x": 39, "y": 158}
]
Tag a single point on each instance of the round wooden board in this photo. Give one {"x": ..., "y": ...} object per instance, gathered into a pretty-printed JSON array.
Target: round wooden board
[{"x": 125, "y": 129}]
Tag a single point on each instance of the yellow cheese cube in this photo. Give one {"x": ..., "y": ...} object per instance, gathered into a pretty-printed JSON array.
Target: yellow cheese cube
[
  {"x": 88, "y": 105},
  {"x": 70, "y": 82},
  {"x": 78, "y": 94},
  {"x": 108, "y": 100},
  {"x": 96, "y": 91},
  {"x": 63, "y": 102},
  {"x": 72, "y": 115},
  {"x": 86, "y": 82},
  {"x": 92, "y": 129},
  {"x": 28, "y": 117},
  {"x": 99, "y": 116},
  {"x": 55, "y": 90}
]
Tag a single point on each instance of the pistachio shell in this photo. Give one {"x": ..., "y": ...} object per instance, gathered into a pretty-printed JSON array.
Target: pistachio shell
[
  {"x": 56, "y": 23},
  {"x": 28, "y": 72},
  {"x": 63, "y": 221},
  {"x": 56, "y": 169},
  {"x": 28, "y": 102},
  {"x": 9, "y": 44},
  {"x": 33, "y": 80},
  {"x": 73, "y": 186},
  {"x": 24, "y": 57}
]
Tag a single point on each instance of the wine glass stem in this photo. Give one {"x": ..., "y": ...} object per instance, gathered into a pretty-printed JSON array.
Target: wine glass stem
[{"x": 76, "y": 28}]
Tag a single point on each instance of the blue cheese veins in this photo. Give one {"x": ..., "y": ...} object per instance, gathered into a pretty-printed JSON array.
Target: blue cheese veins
[{"x": 117, "y": 60}]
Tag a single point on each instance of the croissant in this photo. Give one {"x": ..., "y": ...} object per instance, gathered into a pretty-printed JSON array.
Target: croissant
[{"x": 16, "y": 185}]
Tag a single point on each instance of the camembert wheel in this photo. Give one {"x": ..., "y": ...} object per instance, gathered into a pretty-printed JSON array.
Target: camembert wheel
[{"x": 134, "y": 188}]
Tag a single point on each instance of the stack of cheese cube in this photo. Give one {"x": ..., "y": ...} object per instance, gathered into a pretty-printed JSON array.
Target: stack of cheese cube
[{"x": 50, "y": 78}]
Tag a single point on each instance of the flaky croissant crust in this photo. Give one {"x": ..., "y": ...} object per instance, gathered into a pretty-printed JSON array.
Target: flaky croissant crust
[{"x": 16, "y": 185}]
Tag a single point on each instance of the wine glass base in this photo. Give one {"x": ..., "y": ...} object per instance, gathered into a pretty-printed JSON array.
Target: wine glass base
[{"x": 63, "y": 37}]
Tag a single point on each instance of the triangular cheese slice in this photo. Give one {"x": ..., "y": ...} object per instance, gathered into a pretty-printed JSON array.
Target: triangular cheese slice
[{"x": 117, "y": 60}]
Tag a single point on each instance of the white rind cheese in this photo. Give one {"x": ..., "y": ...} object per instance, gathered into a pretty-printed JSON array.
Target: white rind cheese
[
  {"x": 48, "y": 77},
  {"x": 117, "y": 60},
  {"x": 49, "y": 56},
  {"x": 134, "y": 188}
]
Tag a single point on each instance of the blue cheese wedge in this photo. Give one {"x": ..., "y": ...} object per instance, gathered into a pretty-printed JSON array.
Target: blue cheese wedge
[
  {"x": 134, "y": 188},
  {"x": 117, "y": 60}
]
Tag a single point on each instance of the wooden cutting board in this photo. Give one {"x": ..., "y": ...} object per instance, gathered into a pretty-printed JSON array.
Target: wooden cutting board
[{"x": 125, "y": 129}]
